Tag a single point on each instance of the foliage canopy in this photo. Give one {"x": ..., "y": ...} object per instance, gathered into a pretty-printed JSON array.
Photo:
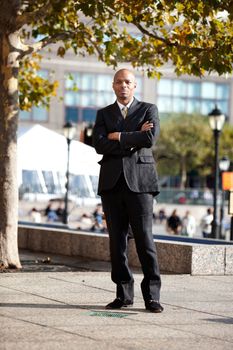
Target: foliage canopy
[
  {"x": 187, "y": 143},
  {"x": 195, "y": 37}
]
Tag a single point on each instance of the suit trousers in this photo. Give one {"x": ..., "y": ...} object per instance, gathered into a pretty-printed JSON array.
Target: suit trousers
[{"x": 123, "y": 207}]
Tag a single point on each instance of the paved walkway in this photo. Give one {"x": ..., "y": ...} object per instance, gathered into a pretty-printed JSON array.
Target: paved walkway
[{"x": 60, "y": 305}]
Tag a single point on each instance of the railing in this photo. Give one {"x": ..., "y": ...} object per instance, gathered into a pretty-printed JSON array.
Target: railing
[{"x": 187, "y": 196}]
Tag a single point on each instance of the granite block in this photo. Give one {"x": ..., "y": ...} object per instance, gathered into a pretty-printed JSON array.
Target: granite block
[
  {"x": 91, "y": 246},
  {"x": 22, "y": 238},
  {"x": 102, "y": 247},
  {"x": 174, "y": 257},
  {"x": 208, "y": 260},
  {"x": 75, "y": 244},
  {"x": 35, "y": 239},
  {"x": 57, "y": 242},
  {"x": 229, "y": 260}
]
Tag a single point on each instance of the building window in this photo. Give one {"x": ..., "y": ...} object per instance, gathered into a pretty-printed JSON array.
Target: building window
[
  {"x": 165, "y": 87},
  {"x": 208, "y": 90},
  {"x": 85, "y": 93},
  {"x": 37, "y": 114},
  {"x": 194, "y": 90},
  {"x": 181, "y": 96}
]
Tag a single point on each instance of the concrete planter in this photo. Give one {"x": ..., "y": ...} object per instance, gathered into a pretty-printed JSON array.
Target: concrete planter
[{"x": 174, "y": 257}]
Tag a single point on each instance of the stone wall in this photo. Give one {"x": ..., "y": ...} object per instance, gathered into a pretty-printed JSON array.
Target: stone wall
[{"x": 174, "y": 257}]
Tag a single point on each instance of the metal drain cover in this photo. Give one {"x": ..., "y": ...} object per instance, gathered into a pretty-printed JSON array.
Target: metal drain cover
[{"x": 109, "y": 314}]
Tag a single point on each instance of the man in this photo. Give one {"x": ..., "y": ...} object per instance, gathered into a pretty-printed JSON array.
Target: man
[
  {"x": 206, "y": 223},
  {"x": 124, "y": 133},
  {"x": 174, "y": 223},
  {"x": 188, "y": 225}
]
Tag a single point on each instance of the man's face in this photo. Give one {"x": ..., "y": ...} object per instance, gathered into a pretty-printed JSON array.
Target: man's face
[{"x": 124, "y": 85}]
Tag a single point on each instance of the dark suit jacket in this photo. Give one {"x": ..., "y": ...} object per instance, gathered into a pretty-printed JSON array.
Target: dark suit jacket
[{"x": 133, "y": 154}]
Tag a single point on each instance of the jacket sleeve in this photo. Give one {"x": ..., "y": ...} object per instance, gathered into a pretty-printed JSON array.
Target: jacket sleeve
[
  {"x": 141, "y": 139},
  {"x": 101, "y": 142}
]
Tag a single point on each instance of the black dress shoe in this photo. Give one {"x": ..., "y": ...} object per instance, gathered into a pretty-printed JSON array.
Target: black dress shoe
[
  {"x": 153, "y": 306},
  {"x": 118, "y": 304}
]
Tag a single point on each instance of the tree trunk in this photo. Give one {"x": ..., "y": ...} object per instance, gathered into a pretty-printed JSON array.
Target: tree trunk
[{"x": 9, "y": 108}]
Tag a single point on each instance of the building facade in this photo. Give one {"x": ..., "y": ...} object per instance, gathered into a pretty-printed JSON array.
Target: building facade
[{"x": 93, "y": 89}]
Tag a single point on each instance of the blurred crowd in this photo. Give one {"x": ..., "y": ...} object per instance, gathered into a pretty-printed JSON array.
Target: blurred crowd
[
  {"x": 188, "y": 225},
  {"x": 174, "y": 224},
  {"x": 54, "y": 213}
]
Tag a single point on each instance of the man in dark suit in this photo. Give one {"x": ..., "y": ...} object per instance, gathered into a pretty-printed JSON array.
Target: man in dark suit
[{"x": 124, "y": 133}]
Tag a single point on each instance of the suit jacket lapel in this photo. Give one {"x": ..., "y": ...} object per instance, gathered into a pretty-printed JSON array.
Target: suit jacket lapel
[
  {"x": 117, "y": 117},
  {"x": 116, "y": 110},
  {"x": 134, "y": 106}
]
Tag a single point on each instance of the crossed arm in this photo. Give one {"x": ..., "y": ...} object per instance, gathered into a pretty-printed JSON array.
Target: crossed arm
[
  {"x": 121, "y": 143},
  {"x": 116, "y": 135}
]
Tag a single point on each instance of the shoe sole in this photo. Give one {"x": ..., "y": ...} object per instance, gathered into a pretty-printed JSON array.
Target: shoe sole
[
  {"x": 128, "y": 305},
  {"x": 154, "y": 311},
  {"x": 118, "y": 308}
]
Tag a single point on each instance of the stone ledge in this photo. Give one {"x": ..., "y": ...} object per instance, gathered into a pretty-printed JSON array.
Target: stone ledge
[{"x": 174, "y": 257}]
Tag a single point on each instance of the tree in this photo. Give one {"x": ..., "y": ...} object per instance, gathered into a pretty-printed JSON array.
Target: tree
[
  {"x": 226, "y": 141},
  {"x": 225, "y": 148},
  {"x": 193, "y": 36},
  {"x": 186, "y": 143},
  {"x": 196, "y": 37},
  {"x": 183, "y": 145}
]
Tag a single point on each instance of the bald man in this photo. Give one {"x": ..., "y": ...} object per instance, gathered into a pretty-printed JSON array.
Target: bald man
[{"x": 124, "y": 134}]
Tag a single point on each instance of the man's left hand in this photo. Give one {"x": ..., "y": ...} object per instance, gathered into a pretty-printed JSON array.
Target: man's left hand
[{"x": 114, "y": 136}]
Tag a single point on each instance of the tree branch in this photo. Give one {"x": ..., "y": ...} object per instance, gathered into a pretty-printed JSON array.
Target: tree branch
[
  {"x": 28, "y": 49},
  {"x": 96, "y": 46},
  {"x": 44, "y": 42},
  {"x": 29, "y": 17},
  {"x": 146, "y": 32},
  {"x": 168, "y": 42}
]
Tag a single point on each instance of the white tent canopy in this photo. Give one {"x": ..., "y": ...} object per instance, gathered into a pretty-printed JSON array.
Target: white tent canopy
[{"x": 41, "y": 150}]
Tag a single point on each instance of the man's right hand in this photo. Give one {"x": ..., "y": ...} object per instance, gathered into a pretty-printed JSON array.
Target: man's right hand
[{"x": 147, "y": 126}]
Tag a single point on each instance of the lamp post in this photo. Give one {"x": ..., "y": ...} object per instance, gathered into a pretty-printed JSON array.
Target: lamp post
[
  {"x": 224, "y": 164},
  {"x": 88, "y": 131},
  {"x": 216, "y": 121},
  {"x": 68, "y": 131}
]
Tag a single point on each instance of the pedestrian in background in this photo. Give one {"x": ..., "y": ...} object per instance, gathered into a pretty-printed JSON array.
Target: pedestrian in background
[
  {"x": 35, "y": 215},
  {"x": 206, "y": 223},
  {"x": 188, "y": 225},
  {"x": 174, "y": 223}
]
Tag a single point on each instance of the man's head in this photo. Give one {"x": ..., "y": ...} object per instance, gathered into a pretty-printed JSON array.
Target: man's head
[
  {"x": 124, "y": 84},
  {"x": 209, "y": 211}
]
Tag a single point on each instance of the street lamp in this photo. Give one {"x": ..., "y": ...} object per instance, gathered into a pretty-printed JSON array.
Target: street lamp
[
  {"x": 88, "y": 131},
  {"x": 224, "y": 165},
  {"x": 216, "y": 121},
  {"x": 68, "y": 131}
]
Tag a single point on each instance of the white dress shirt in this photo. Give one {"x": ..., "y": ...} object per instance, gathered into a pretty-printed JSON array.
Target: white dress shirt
[{"x": 121, "y": 106}]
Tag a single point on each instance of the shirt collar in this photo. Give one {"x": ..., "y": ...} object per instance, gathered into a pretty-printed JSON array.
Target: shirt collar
[{"x": 128, "y": 104}]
